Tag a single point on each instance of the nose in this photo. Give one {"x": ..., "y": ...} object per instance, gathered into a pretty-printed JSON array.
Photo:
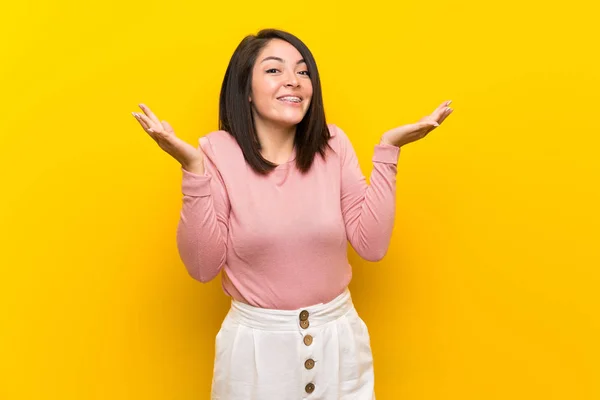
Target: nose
[{"x": 292, "y": 80}]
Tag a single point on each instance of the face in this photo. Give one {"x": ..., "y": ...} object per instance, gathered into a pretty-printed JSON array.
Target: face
[{"x": 281, "y": 87}]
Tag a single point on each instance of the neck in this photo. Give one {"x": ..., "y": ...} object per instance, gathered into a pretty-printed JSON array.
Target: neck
[{"x": 277, "y": 142}]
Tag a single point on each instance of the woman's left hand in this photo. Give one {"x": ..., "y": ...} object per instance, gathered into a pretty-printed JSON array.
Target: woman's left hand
[{"x": 412, "y": 132}]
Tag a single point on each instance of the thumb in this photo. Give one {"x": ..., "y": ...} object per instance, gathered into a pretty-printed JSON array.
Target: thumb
[
  {"x": 167, "y": 127},
  {"x": 428, "y": 125}
]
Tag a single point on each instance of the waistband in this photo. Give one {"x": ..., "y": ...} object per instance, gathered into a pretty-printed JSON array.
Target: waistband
[{"x": 290, "y": 320}]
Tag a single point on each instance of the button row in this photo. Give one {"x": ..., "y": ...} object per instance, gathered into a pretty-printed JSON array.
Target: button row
[{"x": 308, "y": 339}]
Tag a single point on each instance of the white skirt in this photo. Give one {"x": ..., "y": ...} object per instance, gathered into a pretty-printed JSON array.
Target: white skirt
[{"x": 318, "y": 352}]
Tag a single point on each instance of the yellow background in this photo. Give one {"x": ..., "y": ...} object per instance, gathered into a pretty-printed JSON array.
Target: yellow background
[{"x": 490, "y": 287}]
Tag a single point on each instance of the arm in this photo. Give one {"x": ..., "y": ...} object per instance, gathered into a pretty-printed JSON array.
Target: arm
[
  {"x": 204, "y": 219},
  {"x": 368, "y": 210}
]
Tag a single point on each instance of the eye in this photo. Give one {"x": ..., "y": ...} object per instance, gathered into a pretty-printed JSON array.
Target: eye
[
  {"x": 305, "y": 73},
  {"x": 271, "y": 70}
]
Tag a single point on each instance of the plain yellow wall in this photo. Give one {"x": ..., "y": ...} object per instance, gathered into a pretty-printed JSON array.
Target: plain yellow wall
[{"x": 490, "y": 288}]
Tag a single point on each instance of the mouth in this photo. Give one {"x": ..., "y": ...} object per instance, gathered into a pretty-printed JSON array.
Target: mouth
[{"x": 290, "y": 99}]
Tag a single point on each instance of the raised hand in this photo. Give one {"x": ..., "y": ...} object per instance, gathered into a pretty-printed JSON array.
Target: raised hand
[
  {"x": 412, "y": 132},
  {"x": 190, "y": 158}
]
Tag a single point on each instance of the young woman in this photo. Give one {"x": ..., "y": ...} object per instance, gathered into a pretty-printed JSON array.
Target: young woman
[{"x": 270, "y": 201}]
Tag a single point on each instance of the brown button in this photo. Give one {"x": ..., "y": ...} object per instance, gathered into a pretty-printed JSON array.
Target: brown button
[
  {"x": 304, "y": 324},
  {"x": 309, "y": 388},
  {"x": 304, "y": 315},
  {"x": 308, "y": 340},
  {"x": 309, "y": 364}
]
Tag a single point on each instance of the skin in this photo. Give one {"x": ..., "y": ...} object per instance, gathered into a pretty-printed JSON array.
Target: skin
[
  {"x": 409, "y": 133},
  {"x": 190, "y": 158},
  {"x": 278, "y": 71}
]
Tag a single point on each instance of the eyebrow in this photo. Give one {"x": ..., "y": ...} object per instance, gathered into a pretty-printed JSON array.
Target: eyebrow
[{"x": 281, "y": 60}]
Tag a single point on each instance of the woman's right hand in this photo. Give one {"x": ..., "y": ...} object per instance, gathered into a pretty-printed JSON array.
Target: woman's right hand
[{"x": 190, "y": 158}]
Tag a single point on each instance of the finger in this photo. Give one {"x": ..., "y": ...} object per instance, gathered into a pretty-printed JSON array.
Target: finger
[
  {"x": 140, "y": 120},
  {"x": 149, "y": 113},
  {"x": 439, "y": 108},
  {"x": 147, "y": 121},
  {"x": 442, "y": 106},
  {"x": 445, "y": 115},
  {"x": 441, "y": 112}
]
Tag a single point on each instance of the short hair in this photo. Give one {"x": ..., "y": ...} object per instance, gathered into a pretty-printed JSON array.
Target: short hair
[{"x": 235, "y": 110}]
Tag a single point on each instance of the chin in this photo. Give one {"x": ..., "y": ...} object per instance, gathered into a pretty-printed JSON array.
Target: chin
[
  {"x": 288, "y": 121},
  {"x": 291, "y": 122}
]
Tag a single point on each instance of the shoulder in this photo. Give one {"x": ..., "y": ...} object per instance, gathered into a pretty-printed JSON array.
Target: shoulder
[
  {"x": 219, "y": 145},
  {"x": 339, "y": 142},
  {"x": 221, "y": 148},
  {"x": 334, "y": 130},
  {"x": 337, "y": 133},
  {"x": 219, "y": 142}
]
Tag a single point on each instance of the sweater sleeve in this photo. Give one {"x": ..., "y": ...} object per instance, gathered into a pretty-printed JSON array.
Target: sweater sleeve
[
  {"x": 204, "y": 219},
  {"x": 368, "y": 210}
]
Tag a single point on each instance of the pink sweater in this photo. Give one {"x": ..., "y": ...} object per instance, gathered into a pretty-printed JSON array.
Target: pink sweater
[{"x": 280, "y": 241}]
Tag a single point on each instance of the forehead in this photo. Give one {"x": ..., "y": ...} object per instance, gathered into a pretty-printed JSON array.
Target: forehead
[{"x": 281, "y": 49}]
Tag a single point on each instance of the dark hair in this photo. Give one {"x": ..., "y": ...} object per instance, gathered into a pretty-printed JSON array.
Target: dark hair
[{"x": 235, "y": 111}]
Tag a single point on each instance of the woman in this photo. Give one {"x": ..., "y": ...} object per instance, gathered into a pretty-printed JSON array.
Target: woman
[{"x": 270, "y": 201}]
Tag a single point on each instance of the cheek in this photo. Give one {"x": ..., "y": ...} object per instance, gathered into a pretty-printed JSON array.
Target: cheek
[
  {"x": 309, "y": 94},
  {"x": 309, "y": 90},
  {"x": 264, "y": 91}
]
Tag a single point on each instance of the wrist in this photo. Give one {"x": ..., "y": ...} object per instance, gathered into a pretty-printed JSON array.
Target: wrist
[
  {"x": 197, "y": 169},
  {"x": 385, "y": 142}
]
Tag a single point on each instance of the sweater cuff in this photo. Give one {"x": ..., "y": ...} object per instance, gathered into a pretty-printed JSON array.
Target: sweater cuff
[
  {"x": 386, "y": 153},
  {"x": 194, "y": 184}
]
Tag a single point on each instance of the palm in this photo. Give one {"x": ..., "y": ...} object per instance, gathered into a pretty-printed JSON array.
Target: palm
[
  {"x": 411, "y": 132},
  {"x": 165, "y": 136}
]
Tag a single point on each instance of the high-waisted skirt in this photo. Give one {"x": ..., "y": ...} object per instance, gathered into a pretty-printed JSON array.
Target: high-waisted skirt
[{"x": 319, "y": 352}]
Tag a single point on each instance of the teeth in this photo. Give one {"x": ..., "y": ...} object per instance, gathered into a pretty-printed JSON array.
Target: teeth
[{"x": 289, "y": 98}]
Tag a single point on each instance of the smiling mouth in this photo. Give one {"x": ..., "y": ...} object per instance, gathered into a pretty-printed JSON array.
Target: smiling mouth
[{"x": 290, "y": 99}]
